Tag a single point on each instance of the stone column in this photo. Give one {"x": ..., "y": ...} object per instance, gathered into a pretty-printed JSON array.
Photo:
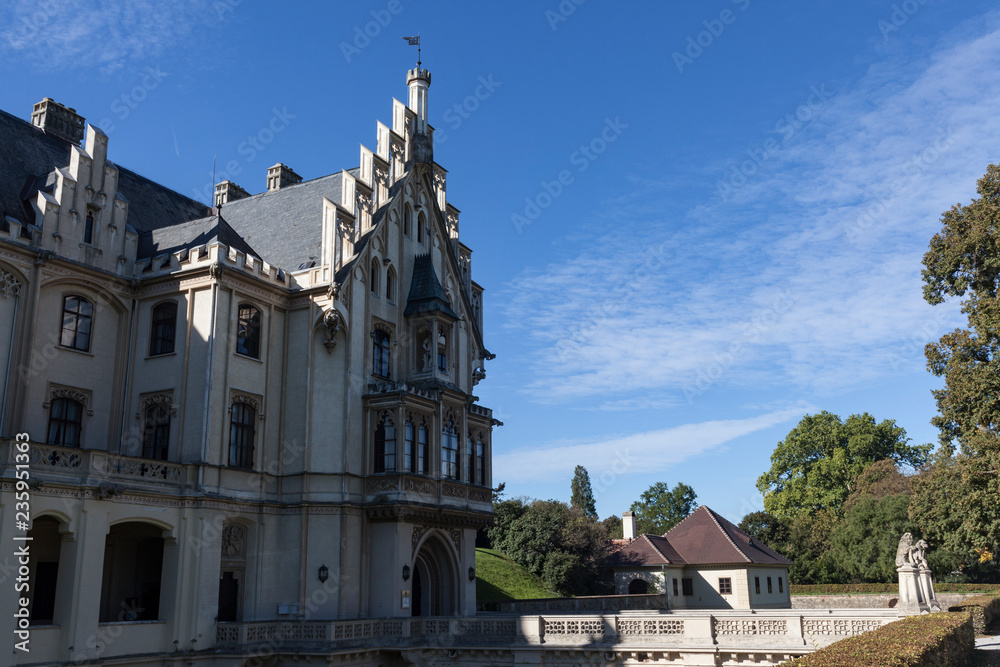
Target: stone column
[{"x": 911, "y": 599}]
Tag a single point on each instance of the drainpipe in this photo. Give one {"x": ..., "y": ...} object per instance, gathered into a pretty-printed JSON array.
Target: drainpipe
[
  {"x": 10, "y": 364},
  {"x": 128, "y": 378}
]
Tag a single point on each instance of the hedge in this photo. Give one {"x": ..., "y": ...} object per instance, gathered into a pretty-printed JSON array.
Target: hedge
[
  {"x": 984, "y": 608},
  {"x": 916, "y": 641},
  {"x": 855, "y": 589}
]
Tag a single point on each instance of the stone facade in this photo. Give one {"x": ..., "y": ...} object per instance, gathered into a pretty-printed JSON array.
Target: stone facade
[{"x": 216, "y": 432}]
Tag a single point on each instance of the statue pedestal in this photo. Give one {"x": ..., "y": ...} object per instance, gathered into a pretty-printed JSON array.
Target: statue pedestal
[
  {"x": 927, "y": 589},
  {"x": 912, "y": 599}
]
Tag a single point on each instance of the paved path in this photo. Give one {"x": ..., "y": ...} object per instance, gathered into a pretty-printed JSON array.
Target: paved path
[{"x": 988, "y": 643}]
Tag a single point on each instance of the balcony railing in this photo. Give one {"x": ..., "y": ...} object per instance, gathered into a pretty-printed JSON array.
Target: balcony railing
[
  {"x": 95, "y": 466},
  {"x": 403, "y": 486}
]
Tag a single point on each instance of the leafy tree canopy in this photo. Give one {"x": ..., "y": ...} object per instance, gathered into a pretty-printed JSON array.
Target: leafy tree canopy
[
  {"x": 816, "y": 465},
  {"x": 864, "y": 542},
  {"x": 765, "y": 528},
  {"x": 583, "y": 495},
  {"x": 660, "y": 508},
  {"x": 964, "y": 261}
]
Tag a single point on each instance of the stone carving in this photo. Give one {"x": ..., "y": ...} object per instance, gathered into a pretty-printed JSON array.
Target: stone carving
[
  {"x": 331, "y": 320},
  {"x": 234, "y": 539},
  {"x": 916, "y": 588},
  {"x": 9, "y": 285}
]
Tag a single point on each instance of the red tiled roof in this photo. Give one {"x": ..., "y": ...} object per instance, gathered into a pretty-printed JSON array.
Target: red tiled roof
[{"x": 702, "y": 538}]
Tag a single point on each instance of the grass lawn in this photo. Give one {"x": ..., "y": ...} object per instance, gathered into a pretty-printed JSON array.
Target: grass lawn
[{"x": 499, "y": 579}]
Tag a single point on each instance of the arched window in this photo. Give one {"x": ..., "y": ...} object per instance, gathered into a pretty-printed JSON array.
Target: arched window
[
  {"x": 449, "y": 452},
  {"x": 88, "y": 228},
  {"x": 390, "y": 285},
  {"x": 638, "y": 587},
  {"x": 470, "y": 460},
  {"x": 156, "y": 432},
  {"x": 241, "y": 435},
  {"x": 442, "y": 355},
  {"x": 380, "y": 353},
  {"x": 133, "y": 566},
  {"x": 480, "y": 461},
  {"x": 65, "y": 421},
  {"x": 248, "y": 331},
  {"x": 385, "y": 444},
  {"x": 374, "y": 278},
  {"x": 407, "y": 219},
  {"x": 421, "y": 227},
  {"x": 423, "y": 461},
  {"x": 163, "y": 329},
  {"x": 76, "y": 321},
  {"x": 409, "y": 449}
]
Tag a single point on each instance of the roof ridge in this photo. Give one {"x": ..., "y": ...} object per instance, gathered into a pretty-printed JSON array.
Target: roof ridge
[
  {"x": 683, "y": 520},
  {"x": 725, "y": 532},
  {"x": 657, "y": 549}
]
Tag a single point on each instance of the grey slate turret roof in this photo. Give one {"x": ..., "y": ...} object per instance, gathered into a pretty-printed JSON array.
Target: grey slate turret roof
[
  {"x": 30, "y": 153},
  {"x": 426, "y": 293}
]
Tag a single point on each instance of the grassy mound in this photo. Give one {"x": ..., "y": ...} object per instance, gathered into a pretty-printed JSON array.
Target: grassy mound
[{"x": 499, "y": 579}]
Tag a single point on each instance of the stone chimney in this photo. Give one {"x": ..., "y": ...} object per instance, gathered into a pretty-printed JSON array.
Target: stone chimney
[
  {"x": 59, "y": 120},
  {"x": 281, "y": 175},
  {"x": 227, "y": 191},
  {"x": 628, "y": 525}
]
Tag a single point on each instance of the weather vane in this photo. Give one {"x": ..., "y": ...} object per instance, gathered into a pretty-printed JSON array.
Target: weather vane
[{"x": 415, "y": 41}]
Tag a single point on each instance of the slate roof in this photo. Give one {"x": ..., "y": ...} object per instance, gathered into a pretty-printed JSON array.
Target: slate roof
[
  {"x": 28, "y": 153},
  {"x": 189, "y": 235},
  {"x": 702, "y": 538},
  {"x": 426, "y": 293},
  {"x": 286, "y": 224}
]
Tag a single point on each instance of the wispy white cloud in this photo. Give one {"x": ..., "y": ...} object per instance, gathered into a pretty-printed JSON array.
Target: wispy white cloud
[
  {"x": 107, "y": 34},
  {"x": 808, "y": 274},
  {"x": 608, "y": 460}
]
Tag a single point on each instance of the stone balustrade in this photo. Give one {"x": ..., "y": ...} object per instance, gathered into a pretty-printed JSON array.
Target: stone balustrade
[
  {"x": 697, "y": 637},
  {"x": 96, "y": 466}
]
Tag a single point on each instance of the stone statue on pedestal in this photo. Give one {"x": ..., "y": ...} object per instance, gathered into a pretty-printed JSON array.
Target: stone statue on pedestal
[{"x": 916, "y": 589}]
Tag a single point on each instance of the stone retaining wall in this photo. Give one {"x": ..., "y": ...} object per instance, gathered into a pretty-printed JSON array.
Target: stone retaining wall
[{"x": 871, "y": 601}]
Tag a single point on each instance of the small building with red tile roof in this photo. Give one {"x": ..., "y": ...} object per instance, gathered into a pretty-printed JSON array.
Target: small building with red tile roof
[{"x": 704, "y": 562}]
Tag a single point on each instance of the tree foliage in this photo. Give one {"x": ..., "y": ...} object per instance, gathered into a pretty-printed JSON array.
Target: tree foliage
[
  {"x": 963, "y": 261},
  {"x": 864, "y": 541},
  {"x": 562, "y": 544},
  {"x": 765, "y": 528},
  {"x": 817, "y": 463},
  {"x": 660, "y": 508},
  {"x": 582, "y": 495}
]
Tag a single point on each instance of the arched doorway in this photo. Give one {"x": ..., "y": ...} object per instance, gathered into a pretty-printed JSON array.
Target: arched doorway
[
  {"x": 435, "y": 580},
  {"x": 638, "y": 587}
]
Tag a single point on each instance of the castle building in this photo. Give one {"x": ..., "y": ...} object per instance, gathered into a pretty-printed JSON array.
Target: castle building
[{"x": 210, "y": 417}]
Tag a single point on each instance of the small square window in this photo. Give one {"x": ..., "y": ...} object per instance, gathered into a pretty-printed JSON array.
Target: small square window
[
  {"x": 688, "y": 586},
  {"x": 725, "y": 586}
]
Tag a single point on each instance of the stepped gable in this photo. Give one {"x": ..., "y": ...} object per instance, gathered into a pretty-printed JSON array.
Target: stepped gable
[
  {"x": 31, "y": 154},
  {"x": 704, "y": 537},
  {"x": 286, "y": 224}
]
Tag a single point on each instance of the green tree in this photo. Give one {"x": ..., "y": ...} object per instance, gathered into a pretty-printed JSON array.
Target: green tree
[
  {"x": 766, "y": 528},
  {"x": 864, "y": 541},
  {"x": 815, "y": 466},
  {"x": 583, "y": 495},
  {"x": 613, "y": 524},
  {"x": 660, "y": 508},
  {"x": 808, "y": 547},
  {"x": 963, "y": 261}
]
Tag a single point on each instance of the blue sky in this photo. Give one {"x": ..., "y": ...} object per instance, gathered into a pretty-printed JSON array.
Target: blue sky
[{"x": 696, "y": 222}]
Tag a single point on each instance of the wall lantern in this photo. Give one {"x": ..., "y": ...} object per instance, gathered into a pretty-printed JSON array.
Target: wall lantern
[
  {"x": 472, "y": 574},
  {"x": 324, "y": 573},
  {"x": 406, "y": 573}
]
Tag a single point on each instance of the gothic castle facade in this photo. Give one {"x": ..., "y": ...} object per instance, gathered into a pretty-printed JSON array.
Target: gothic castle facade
[{"x": 258, "y": 412}]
